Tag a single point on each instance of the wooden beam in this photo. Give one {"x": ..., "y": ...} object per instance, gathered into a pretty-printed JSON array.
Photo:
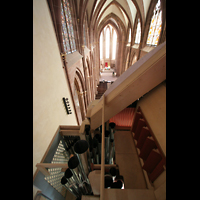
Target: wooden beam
[
  {"x": 42, "y": 167},
  {"x": 67, "y": 127},
  {"x": 98, "y": 166},
  {"x": 69, "y": 132},
  {"x": 102, "y": 151},
  {"x": 43, "y": 170},
  {"x": 140, "y": 78},
  {"x": 52, "y": 165}
]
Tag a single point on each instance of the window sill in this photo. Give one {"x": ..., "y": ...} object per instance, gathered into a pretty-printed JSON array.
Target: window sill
[
  {"x": 73, "y": 58},
  {"x": 135, "y": 46},
  {"x": 148, "y": 48}
]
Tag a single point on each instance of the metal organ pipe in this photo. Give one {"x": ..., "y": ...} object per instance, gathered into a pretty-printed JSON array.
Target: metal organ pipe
[
  {"x": 65, "y": 183},
  {"x": 80, "y": 149},
  {"x": 107, "y": 146}
]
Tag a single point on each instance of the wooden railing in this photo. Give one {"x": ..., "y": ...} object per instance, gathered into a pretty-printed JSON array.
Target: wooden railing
[{"x": 140, "y": 78}]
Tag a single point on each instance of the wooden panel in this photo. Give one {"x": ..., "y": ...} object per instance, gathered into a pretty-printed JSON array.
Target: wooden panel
[
  {"x": 129, "y": 194},
  {"x": 89, "y": 197},
  {"x": 141, "y": 123},
  {"x": 66, "y": 127},
  {"x": 70, "y": 132},
  {"x": 157, "y": 170},
  {"x": 137, "y": 117},
  {"x": 139, "y": 79},
  {"x": 143, "y": 135},
  {"x": 149, "y": 144},
  {"x": 152, "y": 161},
  {"x": 128, "y": 162},
  {"x": 95, "y": 177}
]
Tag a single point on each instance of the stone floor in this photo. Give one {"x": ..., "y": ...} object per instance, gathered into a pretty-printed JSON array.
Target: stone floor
[
  {"x": 107, "y": 76},
  {"x": 128, "y": 161}
]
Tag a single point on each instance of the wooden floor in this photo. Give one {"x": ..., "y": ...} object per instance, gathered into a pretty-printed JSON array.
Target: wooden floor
[{"x": 128, "y": 161}]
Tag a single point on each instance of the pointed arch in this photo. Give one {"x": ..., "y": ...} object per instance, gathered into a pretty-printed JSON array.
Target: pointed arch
[
  {"x": 120, "y": 29},
  {"x": 80, "y": 91}
]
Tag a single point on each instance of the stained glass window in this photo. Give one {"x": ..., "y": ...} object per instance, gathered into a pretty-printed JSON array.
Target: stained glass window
[
  {"x": 67, "y": 28},
  {"x": 138, "y": 33},
  {"x": 85, "y": 31},
  {"x": 155, "y": 27}
]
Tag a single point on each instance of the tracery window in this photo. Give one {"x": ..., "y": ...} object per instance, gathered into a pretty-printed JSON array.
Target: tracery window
[
  {"x": 138, "y": 33},
  {"x": 67, "y": 28},
  {"x": 85, "y": 31},
  {"x": 101, "y": 45},
  {"x": 129, "y": 37},
  {"x": 107, "y": 42},
  {"x": 114, "y": 44},
  {"x": 155, "y": 27}
]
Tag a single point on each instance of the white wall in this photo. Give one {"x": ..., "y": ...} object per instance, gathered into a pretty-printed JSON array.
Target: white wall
[{"x": 49, "y": 83}]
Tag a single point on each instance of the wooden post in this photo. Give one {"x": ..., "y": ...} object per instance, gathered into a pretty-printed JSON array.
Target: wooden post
[{"x": 102, "y": 152}]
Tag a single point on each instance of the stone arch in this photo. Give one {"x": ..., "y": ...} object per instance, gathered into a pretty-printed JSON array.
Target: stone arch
[
  {"x": 80, "y": 95},
  {"x": 91, "y": 78}
]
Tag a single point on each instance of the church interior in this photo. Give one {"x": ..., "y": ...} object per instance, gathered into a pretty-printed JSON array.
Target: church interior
[{"x": 99, "y": 99}]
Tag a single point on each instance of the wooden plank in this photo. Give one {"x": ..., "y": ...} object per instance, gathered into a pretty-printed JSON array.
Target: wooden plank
[
  {"x": 43, "y": 170},
  {"x": 129, "y": 194},
  {"x": 139, "y": 79},
  {"x": 106, "y": 166},
  {"x": 102, "y": 152},
  {"x": 69, "y": 132},
  {"x": 89, "y": 197},
  {"x": 71, "y": 127},
  {"x": 94, "y": 177},
  {"x": 52, "y": 165}
]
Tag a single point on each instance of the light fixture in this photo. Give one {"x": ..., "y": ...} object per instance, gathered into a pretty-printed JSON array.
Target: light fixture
[{"x": 67, "y": 105}]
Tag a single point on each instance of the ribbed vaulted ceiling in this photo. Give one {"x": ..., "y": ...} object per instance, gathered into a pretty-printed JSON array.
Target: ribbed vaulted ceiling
[{"x": 126, "y": 10}]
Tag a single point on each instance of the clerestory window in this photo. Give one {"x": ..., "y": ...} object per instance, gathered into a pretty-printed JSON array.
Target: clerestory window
[
  {"x": 67, "y": 28},
  {"x": 155, "y": 26},
  {"x": 138, "y": 32}
]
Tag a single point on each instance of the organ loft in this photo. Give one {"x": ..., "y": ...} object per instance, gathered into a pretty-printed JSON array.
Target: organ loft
[{"x": 99, "y": 99}]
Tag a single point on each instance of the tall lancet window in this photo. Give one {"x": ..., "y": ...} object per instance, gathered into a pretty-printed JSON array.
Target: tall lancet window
[
  {"x": 138, "y": 33},
  {"x": 114, "y": 44},
  {"x": 129, "y": 37},
  {"x": 101, "y": 46},
  {"x": 155, "y": 27},
  {"x": 107, "y": 42},
  {"x": 67, "y": 28}
]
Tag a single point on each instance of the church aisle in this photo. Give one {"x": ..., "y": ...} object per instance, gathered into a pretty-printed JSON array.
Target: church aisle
[{"x": 128, "y": 161}]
